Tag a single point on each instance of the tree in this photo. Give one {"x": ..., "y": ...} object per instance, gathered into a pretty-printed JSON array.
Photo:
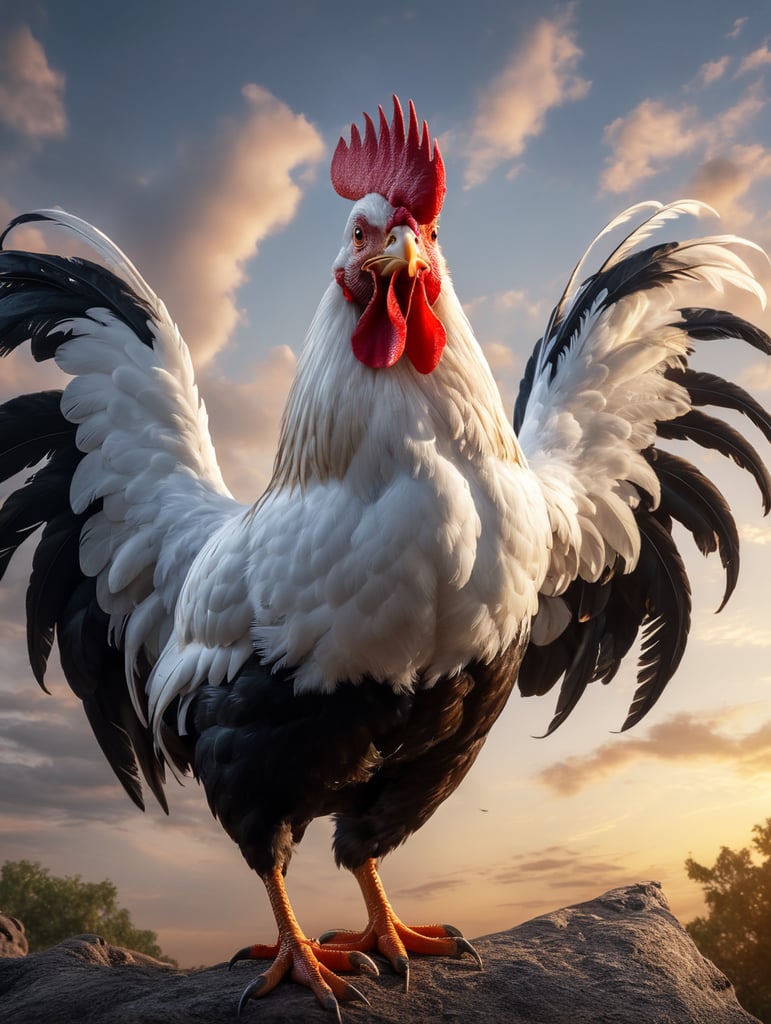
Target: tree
[
  {"x": 52, "y": 909},
  {"x": 736, "y": 935}
]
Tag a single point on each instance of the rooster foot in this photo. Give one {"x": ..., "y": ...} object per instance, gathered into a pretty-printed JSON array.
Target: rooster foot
[
  {"x": 389, "y": 935},
  {"x": 309, "y": 964},
  {"x": 302, "y": 959}
]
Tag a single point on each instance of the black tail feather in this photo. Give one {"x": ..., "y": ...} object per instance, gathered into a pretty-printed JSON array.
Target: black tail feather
[{"x": 710, "y": 432}]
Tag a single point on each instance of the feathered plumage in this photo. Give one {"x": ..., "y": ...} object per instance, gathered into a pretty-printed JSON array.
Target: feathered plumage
[{"x": 343, "y": 645}]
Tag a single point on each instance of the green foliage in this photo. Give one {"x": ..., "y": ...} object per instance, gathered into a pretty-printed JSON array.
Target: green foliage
[
  {"x": 736, "y": 935},
  {"x": 52, "y": 909}
]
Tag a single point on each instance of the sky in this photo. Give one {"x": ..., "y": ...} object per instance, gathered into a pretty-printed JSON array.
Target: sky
[{"x": 198, "y": 136}]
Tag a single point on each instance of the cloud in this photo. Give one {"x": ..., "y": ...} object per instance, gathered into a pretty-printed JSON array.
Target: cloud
[
  {"x": 682, "y": 738},
  {"x": 645, "y": 141},
  {"x": 193, "y": 224},
  {"x": 435, "y": 886},
  {"x": 734, "y": 628},
  {"x": 756, "y": 60},
  {"x": 712, "y": 71},
  {"x": 737, "y": 28},
  {"x": 245, "y": 416},
  {"x": 30, "y": 90},
  {"x": 725, "y": 181},
  {"x": 654, "y": 134},
  {"x": 540, "y": 75},
  {"x": 205, "y": 217},
  {"x": 559, "y": 867},
  {"x": 755, "y": 534}
]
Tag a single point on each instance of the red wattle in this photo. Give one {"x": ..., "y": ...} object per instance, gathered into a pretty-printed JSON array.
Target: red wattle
[
  {"x": 384, "y": 332},
  {"x": 426, "y": 336},
  {"x": 379, "y": 337}
]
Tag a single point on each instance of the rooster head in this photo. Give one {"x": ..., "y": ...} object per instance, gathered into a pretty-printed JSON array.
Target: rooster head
[{"x": 389, "y": 264}]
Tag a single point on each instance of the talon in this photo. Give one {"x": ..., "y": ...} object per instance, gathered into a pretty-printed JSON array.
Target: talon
[
  {"x": 401, "y": 964},
  {"x": 356, "y": 995},
  {"x": 464, "y": 946},
  {"x": 250, "y": 992},
  {"x": 242, "y": 954},
  {"x": 332, "y": 1006},
  {"x": 363, "y": 963}
]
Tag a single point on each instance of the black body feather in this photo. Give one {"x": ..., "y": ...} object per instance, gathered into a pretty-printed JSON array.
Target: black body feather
[{"x": 356, "y": 754}]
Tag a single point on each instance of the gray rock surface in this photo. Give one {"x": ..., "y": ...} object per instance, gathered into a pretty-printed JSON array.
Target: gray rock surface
[{"x": 622, "y": 957}]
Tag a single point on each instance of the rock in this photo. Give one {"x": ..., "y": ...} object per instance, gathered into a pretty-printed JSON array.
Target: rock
[
  {"x": 621, "y": 957},
  {"x": 13, "y": 941}
]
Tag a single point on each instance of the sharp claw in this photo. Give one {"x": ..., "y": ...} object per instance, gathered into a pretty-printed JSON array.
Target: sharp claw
[
  {"x": 464, "y": 946},
  {"x": 249, "y": 992},
  {"x": 327, "y": 936},
  {"x": 242, "y": 954},
  {"x": 401, "y": 964},
  {"x": 452, "y": 931},
  {"x": 355, "y": 995},
  {"x": 362, "y": 962},
  {"x": 332, "y": 1005}
]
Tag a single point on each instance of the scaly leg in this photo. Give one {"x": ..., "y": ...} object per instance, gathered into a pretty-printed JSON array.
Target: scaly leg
[
  {"x": 386, "y": 933},
  {"x": 306, "y": 961}
]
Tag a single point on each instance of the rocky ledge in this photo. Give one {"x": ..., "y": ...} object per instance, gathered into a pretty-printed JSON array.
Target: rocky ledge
[{"x": 620, "y": 958}]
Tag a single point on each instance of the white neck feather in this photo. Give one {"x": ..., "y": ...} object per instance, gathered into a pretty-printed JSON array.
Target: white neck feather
[{"x": 341, "y": 414}]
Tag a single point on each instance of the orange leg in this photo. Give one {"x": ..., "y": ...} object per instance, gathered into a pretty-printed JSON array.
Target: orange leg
[
  {"x": 386, "y": 933},
  {"x": 304, "y": 960}
]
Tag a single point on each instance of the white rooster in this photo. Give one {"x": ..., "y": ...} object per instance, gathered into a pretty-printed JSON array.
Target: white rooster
[{"x": 343, "y": 645}]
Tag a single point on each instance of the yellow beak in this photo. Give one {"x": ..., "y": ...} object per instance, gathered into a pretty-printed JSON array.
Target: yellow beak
[{"x": 399, "y": 253}]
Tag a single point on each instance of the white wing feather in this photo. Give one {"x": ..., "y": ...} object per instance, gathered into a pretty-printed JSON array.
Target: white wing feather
[
  {"x": 591, "y": 414},
  {"x": 149, "y": 457}
]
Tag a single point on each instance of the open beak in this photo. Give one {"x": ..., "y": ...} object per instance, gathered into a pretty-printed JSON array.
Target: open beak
[{"x": 399, "y": 253}]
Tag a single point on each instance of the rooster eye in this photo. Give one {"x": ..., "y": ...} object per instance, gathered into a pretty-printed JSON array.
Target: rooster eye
[{"x": 358, "y": 236}]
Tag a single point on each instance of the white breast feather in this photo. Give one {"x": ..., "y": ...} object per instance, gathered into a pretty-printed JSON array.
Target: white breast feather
[{"x": 426, "y": 552}]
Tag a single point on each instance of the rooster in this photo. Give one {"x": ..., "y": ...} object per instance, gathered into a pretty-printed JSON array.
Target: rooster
[{"x": 344, "y": 645}]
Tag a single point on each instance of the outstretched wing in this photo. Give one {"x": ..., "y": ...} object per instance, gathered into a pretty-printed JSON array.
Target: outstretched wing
[
  {"x": 611, "y": 377},
  {"x": 129, "y": 488}
]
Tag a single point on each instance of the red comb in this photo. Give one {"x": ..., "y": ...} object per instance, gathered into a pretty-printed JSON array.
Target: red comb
[{"x": 403, "y": 170}]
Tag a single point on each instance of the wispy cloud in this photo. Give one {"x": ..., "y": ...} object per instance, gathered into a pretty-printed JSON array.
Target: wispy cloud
[
  {"x": 541, "y": 75},
  {"x": 31, "y": 92},
  {"x": 646, "y": 140},
  {"x": 725, "y": 181},
  {"x": 682, "y": 738},
  {"x": 755, "y": 534},
  {"x": 712, "y": 71},
  {"x": 737, "y": 28},
  {"x": 760, "y": 58},
  {"x": 654, "y": 134},
  {"x": 732, "y": 628}
]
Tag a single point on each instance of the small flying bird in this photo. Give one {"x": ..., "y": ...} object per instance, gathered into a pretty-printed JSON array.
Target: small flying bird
[{"x": 343, "y": 645}]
